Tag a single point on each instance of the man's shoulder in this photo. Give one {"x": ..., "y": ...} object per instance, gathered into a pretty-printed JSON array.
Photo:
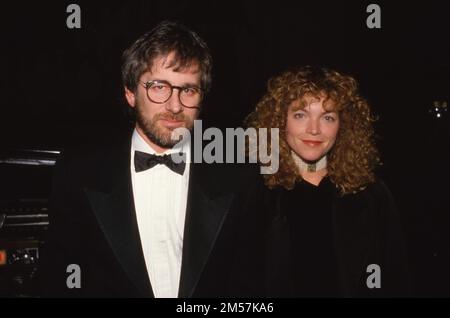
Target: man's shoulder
[{"x": 92, "y": 155}]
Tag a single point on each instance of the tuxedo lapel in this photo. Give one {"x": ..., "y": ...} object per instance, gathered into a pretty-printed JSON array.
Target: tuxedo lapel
[
  {"x": 115, "y": 213},
  {"x": 204, "y": 219}
]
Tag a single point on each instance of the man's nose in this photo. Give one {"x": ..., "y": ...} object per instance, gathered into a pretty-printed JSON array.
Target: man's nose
[{"x": 174, "y": 104}]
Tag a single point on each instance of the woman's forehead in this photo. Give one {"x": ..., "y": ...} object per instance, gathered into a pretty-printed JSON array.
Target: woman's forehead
[{"x": 300, "y": 103}]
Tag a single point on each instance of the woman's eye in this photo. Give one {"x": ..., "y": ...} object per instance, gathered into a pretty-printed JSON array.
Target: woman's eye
[
  {"x": 299, "y": 115},
  {"x": 329, "y": 118}
]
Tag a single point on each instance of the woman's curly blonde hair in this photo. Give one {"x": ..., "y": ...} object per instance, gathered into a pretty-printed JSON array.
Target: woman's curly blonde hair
[{"x": 353, "y": 158}]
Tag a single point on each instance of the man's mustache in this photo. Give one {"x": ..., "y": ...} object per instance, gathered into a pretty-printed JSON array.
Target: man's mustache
[{"x": 170, "y": 116}]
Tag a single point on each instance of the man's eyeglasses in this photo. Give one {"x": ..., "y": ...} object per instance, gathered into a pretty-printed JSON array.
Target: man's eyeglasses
[{"x": 160, "y": 92}]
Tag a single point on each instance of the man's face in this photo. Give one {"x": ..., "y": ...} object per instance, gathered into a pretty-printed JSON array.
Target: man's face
[{"x": 156, "y": 122}]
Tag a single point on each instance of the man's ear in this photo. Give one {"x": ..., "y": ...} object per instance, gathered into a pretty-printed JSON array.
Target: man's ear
[{"x": 131, "y": 98}]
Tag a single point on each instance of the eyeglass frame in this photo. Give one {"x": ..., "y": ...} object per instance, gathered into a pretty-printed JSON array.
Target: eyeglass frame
[{"x": 147, "y": 84}]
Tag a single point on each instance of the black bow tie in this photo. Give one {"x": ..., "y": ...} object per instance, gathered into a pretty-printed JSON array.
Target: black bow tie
[{"x": 144, "y": 161}]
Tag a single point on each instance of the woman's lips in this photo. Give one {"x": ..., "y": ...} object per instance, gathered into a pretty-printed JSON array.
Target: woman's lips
[{"x": 312, "y": 143}]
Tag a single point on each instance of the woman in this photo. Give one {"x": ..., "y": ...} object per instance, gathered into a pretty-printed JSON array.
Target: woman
[{"x": 333, "y": 230}]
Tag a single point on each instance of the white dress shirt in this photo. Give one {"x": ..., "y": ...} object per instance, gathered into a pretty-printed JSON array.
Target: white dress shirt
[{"x": 160, "y": 198}]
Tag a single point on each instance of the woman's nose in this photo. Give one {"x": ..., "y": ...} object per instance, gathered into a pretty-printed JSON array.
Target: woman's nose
[{"x": 313, "y": 127}]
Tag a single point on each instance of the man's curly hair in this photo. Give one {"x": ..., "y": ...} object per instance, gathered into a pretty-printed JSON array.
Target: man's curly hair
[{"x": 353, "y": 158}]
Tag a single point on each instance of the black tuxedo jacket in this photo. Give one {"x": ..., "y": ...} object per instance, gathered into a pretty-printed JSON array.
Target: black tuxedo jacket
[{"x": 93, "y": 225}]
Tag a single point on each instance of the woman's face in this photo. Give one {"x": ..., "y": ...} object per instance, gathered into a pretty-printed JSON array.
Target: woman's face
[{"x": 311, "y": 131}]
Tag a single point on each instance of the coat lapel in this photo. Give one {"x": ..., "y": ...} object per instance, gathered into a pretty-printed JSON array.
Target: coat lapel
[
  {"x": 204, "y": 219},
  {"x": 353, "y": 240},
  {"x": 115, "y": 213}
]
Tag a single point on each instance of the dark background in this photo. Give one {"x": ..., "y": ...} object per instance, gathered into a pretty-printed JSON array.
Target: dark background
[{"x": 61, "y": 86}]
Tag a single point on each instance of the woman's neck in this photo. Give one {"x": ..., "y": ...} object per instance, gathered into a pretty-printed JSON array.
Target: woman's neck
[{"x": 313, "y": 172}]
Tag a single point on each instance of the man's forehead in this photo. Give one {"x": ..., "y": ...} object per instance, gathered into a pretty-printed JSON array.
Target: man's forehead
[{"x": 174, "y": 62}]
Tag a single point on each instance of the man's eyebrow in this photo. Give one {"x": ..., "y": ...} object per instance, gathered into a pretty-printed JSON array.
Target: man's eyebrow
[
  {"x": 190, "y": 85},
  {"x": 187, "y": 84}
]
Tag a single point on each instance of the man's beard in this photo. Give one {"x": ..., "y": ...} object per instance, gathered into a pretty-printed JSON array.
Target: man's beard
[{"x": 161, "y": 136}]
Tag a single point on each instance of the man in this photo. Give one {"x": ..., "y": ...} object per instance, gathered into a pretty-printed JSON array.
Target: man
[{"x": 126, "y": 219}]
